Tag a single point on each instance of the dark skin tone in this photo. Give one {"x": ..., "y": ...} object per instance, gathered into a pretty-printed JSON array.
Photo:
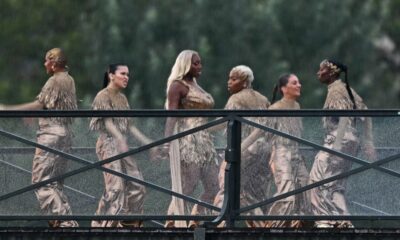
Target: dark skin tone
[
  {"x": 325, "y": 75},
  {"x": 177, "y": 91}
]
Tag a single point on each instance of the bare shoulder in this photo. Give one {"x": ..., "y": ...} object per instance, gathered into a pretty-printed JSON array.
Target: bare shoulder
[{"x": 178, "y": 88}]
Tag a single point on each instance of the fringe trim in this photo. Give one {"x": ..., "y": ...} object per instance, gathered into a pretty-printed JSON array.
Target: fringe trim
[
  {"x": 104, "y": 100},
  {"x": 59, "y": 94}
]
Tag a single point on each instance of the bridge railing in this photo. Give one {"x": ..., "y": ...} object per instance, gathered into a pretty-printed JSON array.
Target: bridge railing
[{"x": 371, "y": 186}]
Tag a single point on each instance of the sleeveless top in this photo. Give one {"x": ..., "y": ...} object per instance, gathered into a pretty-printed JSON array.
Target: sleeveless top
[{"x": 197, "y": 147}]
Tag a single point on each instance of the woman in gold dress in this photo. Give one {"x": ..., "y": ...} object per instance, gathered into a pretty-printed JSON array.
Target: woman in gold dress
[
  {"x": 255, "y": 174},
  {"x": 341, "y": 135},
  {"x": 57, "y": 94},
  {"x": 193, "y": 158},
  {"x": 120, "y": 197},
  {"x": 287, "y": 165}
]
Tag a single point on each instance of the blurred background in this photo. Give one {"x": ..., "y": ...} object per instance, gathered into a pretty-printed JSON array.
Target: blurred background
[{"x": 272, "y": 37}]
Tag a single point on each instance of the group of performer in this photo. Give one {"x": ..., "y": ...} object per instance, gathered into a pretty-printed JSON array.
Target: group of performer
[{"x": 267, "y": 159}]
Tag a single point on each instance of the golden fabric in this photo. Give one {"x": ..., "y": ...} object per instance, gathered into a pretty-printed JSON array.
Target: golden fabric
[
  {"x": 255, "y": 174},
  {"x": 109, "y": 100},
  {"x": 196, "y": 155},
  {"x": 329, "y": 199},
  {"x": 288, "y": 167},
  {"x": 120, "y": 196},
  {"x": 57, "y": 94}
]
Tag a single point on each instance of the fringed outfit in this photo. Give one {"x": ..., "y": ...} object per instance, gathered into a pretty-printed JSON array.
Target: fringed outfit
[
  {"x": 193, "y": 158},
  {"x": 57, "y": 94},
  {"x": 288, "y": 167},
  {"x": 255, "y": 174},
  {"x": 329, "y": 199},
  {"x": 120, "y": 197}
]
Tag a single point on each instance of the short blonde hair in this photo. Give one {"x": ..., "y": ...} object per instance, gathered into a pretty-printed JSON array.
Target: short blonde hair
[
  {"x": 245, "y": 73},
  {"x": 57, "y": 56}
]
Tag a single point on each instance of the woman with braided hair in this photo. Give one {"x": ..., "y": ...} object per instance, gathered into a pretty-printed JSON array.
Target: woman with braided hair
[
  {"x": 57, "y": 94},
  {"x": 341, "y": 135}
]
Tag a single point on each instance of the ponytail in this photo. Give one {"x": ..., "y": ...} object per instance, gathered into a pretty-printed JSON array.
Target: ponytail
[
  {"x": 282, "y": 81},
  {"x": 274, "y": 93},
  {"x": 105, "y": 80},
  {"x": 111, "y": 69}
]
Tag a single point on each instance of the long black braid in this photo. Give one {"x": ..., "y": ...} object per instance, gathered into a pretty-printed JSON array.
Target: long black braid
[{"x": 343, "y": 68}]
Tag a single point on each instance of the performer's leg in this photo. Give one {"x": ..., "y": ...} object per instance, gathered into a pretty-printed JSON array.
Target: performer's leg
[{"x": 46, "y": 165}]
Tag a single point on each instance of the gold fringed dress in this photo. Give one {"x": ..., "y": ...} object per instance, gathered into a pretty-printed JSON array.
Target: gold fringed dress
[
  {"x": 288, "y": 167},
  {"x": 120, "y": 196},
  {"x": 195, "y": 156},
  {"x": 57, "y": 94},
  {"x": 329, "y": 199},
  {"x": 256, "y": 177}
]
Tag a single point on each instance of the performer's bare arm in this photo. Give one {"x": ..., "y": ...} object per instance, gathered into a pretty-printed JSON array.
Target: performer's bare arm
[
  {"x": 176, "y": 92},
  {"x": 368, "y": 142},
  {"x": 143, "y": 139},
  {"x": 35, "y": 105},
  {"x": 113, "y": 130}
]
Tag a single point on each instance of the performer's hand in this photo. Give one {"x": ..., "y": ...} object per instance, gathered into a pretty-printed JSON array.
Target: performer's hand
[
  {"x": 164, "y": 151},
  {"x": 370, "y": 153},
  {"x": 156, "y": 153},
  {"x": 122, "y": 145},
  {"x": 29, "y": 122}
]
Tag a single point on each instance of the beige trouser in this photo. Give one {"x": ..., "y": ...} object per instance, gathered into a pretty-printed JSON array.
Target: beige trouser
[
  {"x": 191, "y": 175},
  {"x": 46, "y": 165},
  {"x": 329, "y": 199},
  {"x": 255, "y": 186},
  {"x": 290, "y": 172},
  {"x": 120, "y": 197}
]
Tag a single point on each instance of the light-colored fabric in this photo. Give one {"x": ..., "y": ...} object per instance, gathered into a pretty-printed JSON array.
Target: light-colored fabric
[
  {"x": 120, "y": 197},
  {"x": 329, "y": 199},
  {"x": 108, "y": 100},
  {"x": 177, "y": 204},
  {"x": 256, "y": 179},
  {"x": 197, "y": 156},
  {"x": 57, "y": 94},
  {"x": 288, "y": 167}
]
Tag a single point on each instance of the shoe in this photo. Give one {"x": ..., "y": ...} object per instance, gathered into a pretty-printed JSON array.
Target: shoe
[
  {"x": 323, "y": 225},
  {"x": 132, "y": 224}
]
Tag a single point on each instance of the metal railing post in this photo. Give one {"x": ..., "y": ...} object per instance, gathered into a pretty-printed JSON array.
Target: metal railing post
[{"x": 232, "y": 172}]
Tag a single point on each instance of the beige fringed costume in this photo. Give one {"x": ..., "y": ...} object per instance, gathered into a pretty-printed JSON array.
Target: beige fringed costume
[
  {"x": 120, "y": 197},
  {"x": 341, "y": 135},
  {"x": 57, "y": 94},
  {"x": 288, "y": 167},
  {"x": 255, "y": 174},
  {"x": 193, "y": 157}
]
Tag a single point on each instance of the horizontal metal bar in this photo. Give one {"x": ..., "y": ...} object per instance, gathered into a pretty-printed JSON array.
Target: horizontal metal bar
[
  {"x": 91, "y": 197},
  {"x": 106, "y": 217},
  {"x": 200, "y": 113},
  {"x": 88, "y": 150},
  {"x": 319, "y": 147},
  {"x": 194, "y": 217},
  {"x": 322, "y": 182},
  {"x": 98, "y": 165},
  {"x": 318, "y": 217}
]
